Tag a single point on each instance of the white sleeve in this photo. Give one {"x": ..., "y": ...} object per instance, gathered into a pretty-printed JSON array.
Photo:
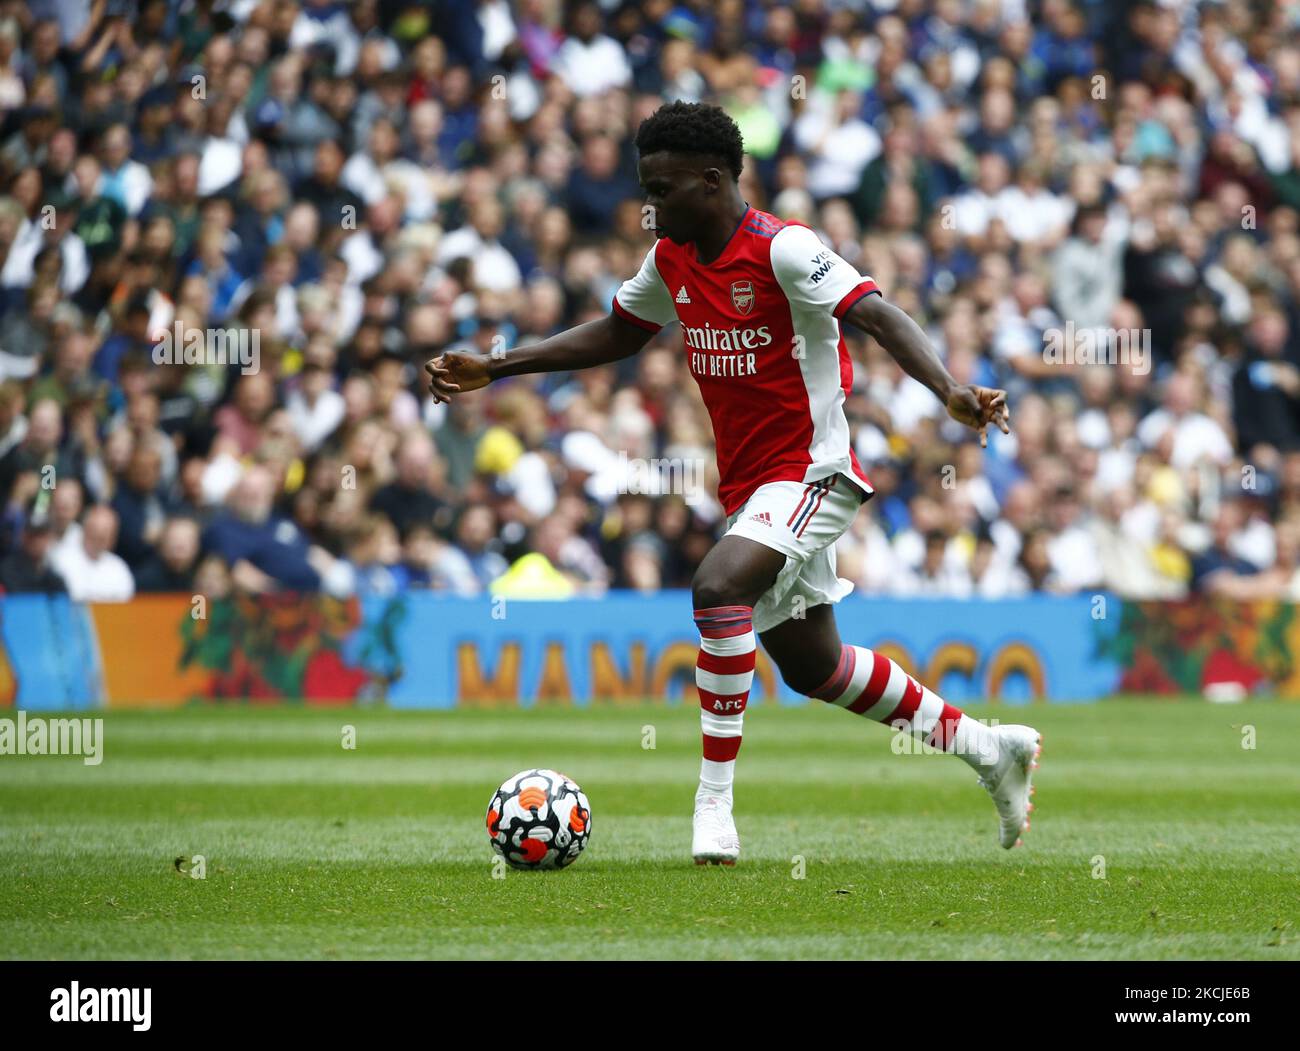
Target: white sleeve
[
  {"x": 643, "y": 299},
  {"x": 812, "y": 275}
]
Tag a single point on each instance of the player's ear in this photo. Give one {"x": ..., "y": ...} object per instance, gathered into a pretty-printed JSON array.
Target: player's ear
[{"x": 712, "y": 180}]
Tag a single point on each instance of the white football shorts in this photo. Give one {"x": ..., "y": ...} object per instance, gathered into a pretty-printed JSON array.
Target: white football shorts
[{"x": 802, "y": 520}]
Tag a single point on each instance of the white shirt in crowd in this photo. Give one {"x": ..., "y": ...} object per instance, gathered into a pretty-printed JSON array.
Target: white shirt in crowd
[
  {"x": 495, "y": 269},
  {"x": 372, "y": 184},
  {"x": 19, "y": 268},
  {"x": 592, "y": 68},
  {"x": 1196, "y": 437},
  {"x": 363, "y": 255},
  {"x": 1075, "y": 559},
  {"x": 220, "y": 164},
  {"x": 103, "y": 579},
  {"x": 498, "y": 27},
  {"x": 137, "y": 187},
  {"x": 1033, "y": 217},
  {"x": 949, "y": 581},
  {"x": 838, "y": 155},
  {"x": 315, "y": 421}
]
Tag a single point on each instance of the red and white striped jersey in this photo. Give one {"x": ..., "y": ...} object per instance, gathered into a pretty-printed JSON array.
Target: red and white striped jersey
[{"x": 761, "y": 324}]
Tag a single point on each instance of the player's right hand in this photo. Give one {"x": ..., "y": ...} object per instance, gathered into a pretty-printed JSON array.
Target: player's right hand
[
  {"x": 977, "y": 407},
  {"x": 454, "y": 372}
]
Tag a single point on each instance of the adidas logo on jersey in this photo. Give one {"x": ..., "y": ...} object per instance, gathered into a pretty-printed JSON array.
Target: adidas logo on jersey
[
  {"x": 682, "y": 297},
  {"x": 763, "y": 517}
]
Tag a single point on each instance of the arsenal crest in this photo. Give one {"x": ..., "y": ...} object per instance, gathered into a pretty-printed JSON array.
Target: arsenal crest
[{"x": 742, "y": 296}]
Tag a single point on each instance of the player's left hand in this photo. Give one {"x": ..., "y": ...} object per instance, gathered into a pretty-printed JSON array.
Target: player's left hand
[{"x": 977, "y": 407}]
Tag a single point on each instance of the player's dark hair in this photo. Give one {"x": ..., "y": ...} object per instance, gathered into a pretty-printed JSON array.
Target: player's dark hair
[{"x": 692, "y": 127}]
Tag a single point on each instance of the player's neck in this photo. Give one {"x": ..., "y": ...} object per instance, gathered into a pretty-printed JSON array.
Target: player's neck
[{"x": 713, "y": 240}]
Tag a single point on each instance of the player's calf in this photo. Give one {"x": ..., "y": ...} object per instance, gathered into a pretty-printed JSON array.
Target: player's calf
[
  {"x": 729, "y": 581},
  {"x": 871, "y": 685},
  {"x": 724, "y": 672}
]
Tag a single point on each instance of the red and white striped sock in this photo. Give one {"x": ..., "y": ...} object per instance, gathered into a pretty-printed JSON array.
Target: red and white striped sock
[
  {"x": 871, "y": 685},
  {"x": 724, "y": 672}
]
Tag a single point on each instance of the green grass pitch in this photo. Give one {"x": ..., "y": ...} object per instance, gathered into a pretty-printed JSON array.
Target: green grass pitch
[{"x": 315, "y": 851}]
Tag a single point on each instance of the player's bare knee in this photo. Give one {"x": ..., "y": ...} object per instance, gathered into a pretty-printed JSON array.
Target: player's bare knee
[
  {"x": 806, "y": 675},
  {"x": 708, "y": 591}
]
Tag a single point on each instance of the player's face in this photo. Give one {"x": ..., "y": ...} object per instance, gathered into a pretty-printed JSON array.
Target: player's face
[{"x": 677, "y": 194}]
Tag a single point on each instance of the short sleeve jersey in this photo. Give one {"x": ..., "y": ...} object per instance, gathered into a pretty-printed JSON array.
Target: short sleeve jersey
[{"x": 761, "y": 324}]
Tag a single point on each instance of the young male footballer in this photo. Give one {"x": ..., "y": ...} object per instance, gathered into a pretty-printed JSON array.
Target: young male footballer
[{"x": 761, "y": 303}]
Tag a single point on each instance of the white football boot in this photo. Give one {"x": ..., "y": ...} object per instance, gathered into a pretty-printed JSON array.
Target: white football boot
[
  {"x": 715, "y": 841},
  {"x": 1010, "y": 782}
]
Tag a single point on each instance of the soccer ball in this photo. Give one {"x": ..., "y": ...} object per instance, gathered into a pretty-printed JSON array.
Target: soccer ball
[{"x": 539, "y": 819}]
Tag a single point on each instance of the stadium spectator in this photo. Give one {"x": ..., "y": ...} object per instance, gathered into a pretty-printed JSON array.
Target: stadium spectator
[
  {"x": 1087, "y": 274},
  {"x": 37, "y": 460},
  {"x": 1217, "y": 570},
  {"x": 475, "y": 536},
  {"x": 409, "y": 498},
  {"x": 87, "y": 564},
  {"x": 27, "y": 567},
  {"x": 171, "y": 568},
  {"x": 590, "y": 62},
  {"x": 140, "y": 510},
  {"x": 262, "y": 549}
]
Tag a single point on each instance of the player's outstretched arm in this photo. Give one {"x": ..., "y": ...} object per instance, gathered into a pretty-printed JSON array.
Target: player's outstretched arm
[
  {"x": 902, "y": 337},
  {"x": 595, "y": 343}
]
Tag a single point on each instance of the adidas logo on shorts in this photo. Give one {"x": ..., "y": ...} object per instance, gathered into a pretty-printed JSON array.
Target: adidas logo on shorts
[{"x": 763, "y": 517}]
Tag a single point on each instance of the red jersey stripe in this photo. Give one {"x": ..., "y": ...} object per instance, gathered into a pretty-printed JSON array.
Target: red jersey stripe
[
  {"x": 632, "y": 319},
  {"x": 864, "y": 289}
]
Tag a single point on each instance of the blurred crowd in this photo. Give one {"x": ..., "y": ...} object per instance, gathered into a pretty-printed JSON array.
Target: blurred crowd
[{"x": 363, "y": 185}]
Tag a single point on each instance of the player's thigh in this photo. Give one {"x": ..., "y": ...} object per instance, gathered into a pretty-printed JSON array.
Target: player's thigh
[
  {"x": 736, "y": 572},
  {"x": 806, "y": 649}
]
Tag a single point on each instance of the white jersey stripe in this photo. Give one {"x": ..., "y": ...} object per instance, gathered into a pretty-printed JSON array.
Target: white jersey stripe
[{"x": 815, "y": 280}]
